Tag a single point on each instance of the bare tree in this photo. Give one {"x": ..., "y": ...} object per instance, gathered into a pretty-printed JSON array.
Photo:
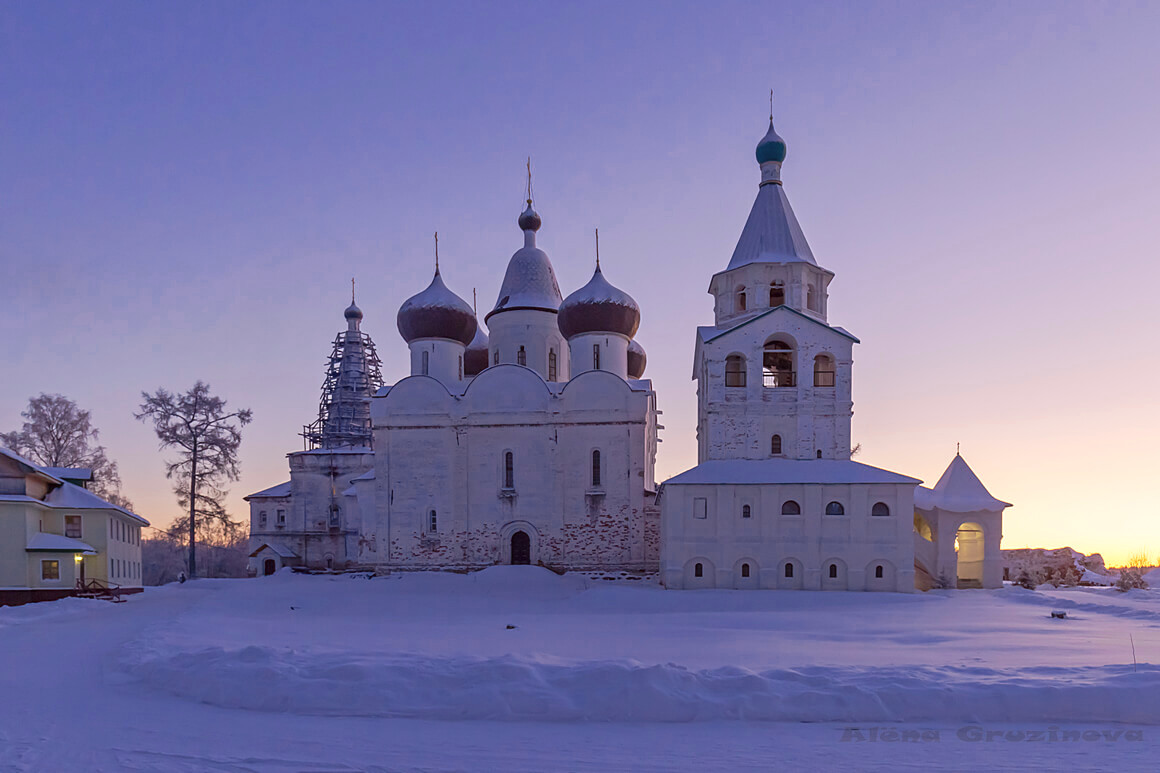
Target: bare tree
[
  {"x": 57, "y": 433},
  {"x": 206, "y": 438}
]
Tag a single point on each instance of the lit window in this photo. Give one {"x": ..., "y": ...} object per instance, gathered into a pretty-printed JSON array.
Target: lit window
[
  {"x": 835, "y": 508},
  {"x": 700, "y": 507},
  {"x": 509, "y": 470},
  {"x": 521, "y": 357},
  {"x": 50, "y": 570},
  {"x": 595, "y": 469},
  {"x": 775, "y": 445},
  {"x": 880, "y": 509},
  {"x": 72, "y": 526},
  {"x": 735, "y": 371},
  {"x": 790, "y": 507},
  {"x": 746, "y": 511}
]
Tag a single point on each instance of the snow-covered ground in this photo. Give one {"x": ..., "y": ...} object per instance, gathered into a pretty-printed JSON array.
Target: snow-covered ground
[{"x": 516, "y": 668}]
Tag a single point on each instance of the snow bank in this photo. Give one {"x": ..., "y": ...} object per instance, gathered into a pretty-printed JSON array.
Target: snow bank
[{"x": 528, "y": 688}]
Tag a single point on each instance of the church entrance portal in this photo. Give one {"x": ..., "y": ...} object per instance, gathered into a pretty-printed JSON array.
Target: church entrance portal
[
  {"x": 521, "y": 549},
  {"x": 269, "y": 567},
  {"x": 969, "y": 555}
]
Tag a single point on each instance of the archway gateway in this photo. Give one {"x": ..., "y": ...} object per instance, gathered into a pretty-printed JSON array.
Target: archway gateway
[
  {"x": 269, "y": 567},
  {"x": 969, "y": 556},
  {"x": 521, "y": 549}
]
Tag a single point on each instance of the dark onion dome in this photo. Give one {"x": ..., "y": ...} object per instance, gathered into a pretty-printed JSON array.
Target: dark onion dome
[
  {"x": 598, "y": 307},
  {"x": 353, "y": 312},
  {"x": 437, "y": 313},
  {"x": 771, "y": 147},
  {"x": 475, "y": 358},
  {"x": 636, "y": 360},
  {"x": 530, "y": 280}
]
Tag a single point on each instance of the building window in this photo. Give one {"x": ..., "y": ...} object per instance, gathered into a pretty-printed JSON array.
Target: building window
[
  {"x": 790, "y": 507},
  {"x": 495, "y": 358},
  {"x": 833, "y": 571},
  {"x": 746, "y": 511},
  {"x": 775, "y": 445},
  {"x": 281, "y": 517},
  {"x": 461, "y": 367},
  {"x": 72, "y": 526},
  {"x": 776, "y": 294},
  {"x": 432, "y": 521},
  {"x": 880, "y": 509},
  {"x": 878, "y": 572},
  {"x": 262, "y": 519},
  {"x": 735, "y": 371},
  {"x": 812, "y": 299},
  {"x": 741, "y": 301},
  {"x": 50, "y": 570},
  {"x": 777, "y": 365},
  {"x": 698, "y": 570},
  {"x": 745, "y": 570},
  {"x": 595, "y": 469},
  {"x": 824, "y": 371},
  {"x": 819, "y": 453},
  {"x": 789, "y": 570},
  {"x": 835, "y": 508},
  {"x": 595, "y": 356},
  {"x": 425, "y": 359},
  {"x": 700, "y": 507},
  {"x": 551, "y": 364},
  {"x": 521, "y": 357},
  {"x": 509, "y": 470}
]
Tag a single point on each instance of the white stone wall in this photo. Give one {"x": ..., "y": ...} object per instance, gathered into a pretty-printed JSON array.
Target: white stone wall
[
  {"x": 537, "y": 332},
  {"x": 944, "y": 526},
  {"x": 856, "y": 542}
]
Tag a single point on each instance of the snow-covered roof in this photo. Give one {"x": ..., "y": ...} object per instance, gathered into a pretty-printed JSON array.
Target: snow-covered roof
[
  {"x": 69, "y": 473},
  {"x": 530, "y": 280},
  {"x": 436, "y": 312},
  {"x": 782, "y": 471},
  {"x": 279, "y": 550},
  {"x": 72, "y": 497},
  {"x": 30, "y": 465},
  {"x": 325, "y": 451},
  {"x": 771, "y": 234},
  {"x": 281, "y": 490},
  {"x": 368, "y": 475},
  {"x": 58, "y": 544},
  {"x": 350, "y": 492},
  {"x": 959, "y": 490},
  {"x": 599, "y": 307}
]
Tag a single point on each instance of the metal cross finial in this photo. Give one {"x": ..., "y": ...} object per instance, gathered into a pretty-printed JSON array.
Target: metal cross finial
[
  {"x": 771, "y": 105},
  {"x": 474, "y": 302},
  {"x": 436, "y": 252},
  {"x": 597, "y": 249},
  {"x": 529, "y": 181},
  {"x": 956, "y": 449},
  {"x": 352, "y": 291}
]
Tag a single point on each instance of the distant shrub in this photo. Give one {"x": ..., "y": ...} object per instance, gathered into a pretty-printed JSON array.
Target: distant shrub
[
  {"x": 1027, "y": 580},
  {"x": 1130, "y": 579}
]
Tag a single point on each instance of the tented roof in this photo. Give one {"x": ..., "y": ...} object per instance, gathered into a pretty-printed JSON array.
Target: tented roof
[
  {"x": 772, "y": 233},
  {"x": 959, "y": 490}
]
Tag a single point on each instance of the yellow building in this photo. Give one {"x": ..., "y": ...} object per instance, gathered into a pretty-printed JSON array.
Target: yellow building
[{"x": 58, "y": 539}]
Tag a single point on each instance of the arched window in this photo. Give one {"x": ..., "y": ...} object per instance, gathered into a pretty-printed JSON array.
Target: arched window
[
  {"x": 330, "y": 562},
  {"x": 495, "y": 358},
  {"x": 698, "y": 570},
  {"x": 775, "y": 445},
  {"x": 776, "y": 294},
  {"x": 880, "y": 509},
  {"x": 790, "y": 507},
  {"x": 812, "y": 298},
  {"x": 824, "y": 375},
  {"x": 551, "y": 364},
  {"x": 777, "y": 367},
  {"x": 425, "y": 358},
  {"x": 595, "y": 356},
  {"x": 432, "y": 521},
  {"x": 746, "y": 511},
  {"x": 521, "y": 357},
  {"x": 835, "y": 508},
  {"x": 833, "y": 571},
  {"x": 595, "y": 469},
  {"x": 461, "y": 367},
  {"x": 879, "y": 572},
  {"x": 509, "y": 470},
  {"x": 745, "y": 570},
  {"x": 789, "y": 570},
  {"x": 741, "y": 302},
  {"x": 735, "y": 371},
  {"x": 819, "y": 453}
]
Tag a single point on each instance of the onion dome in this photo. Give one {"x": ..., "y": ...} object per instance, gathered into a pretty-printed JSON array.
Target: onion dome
[
  {"x": 353, "y": 312},
  {"x": 771, "y": 147},
  {"x": 636, "y": 360},
  {"x": 598, "y": 307},
  {"x": 437, "y": 313},
  {"x": 475, "y": 357},
  {"x": 530, "y": 281}
]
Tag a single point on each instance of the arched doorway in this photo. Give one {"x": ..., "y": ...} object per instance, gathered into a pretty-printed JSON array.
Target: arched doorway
[
  {"x": 269, "y": 567},
  {"x": 969, "y": 556},
  {"x": 521, "y": 549}
]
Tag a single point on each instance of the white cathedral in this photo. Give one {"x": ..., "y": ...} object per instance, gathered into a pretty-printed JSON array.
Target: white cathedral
[{"x": 537, "y": 444}]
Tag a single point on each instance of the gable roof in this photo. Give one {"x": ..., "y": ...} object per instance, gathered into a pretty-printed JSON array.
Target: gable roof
[
  {"x": 73, "y": 497},
  {"x": 710, "y": 333},
  {"x": 277, "y": 550},
  {"x": 783, "y": 471},
  {"x": 281, "y": 490},
  {"x": 28, "y": 466},
  {"x": 771, "y": 233},
  {"x": 959, "y": 490}
]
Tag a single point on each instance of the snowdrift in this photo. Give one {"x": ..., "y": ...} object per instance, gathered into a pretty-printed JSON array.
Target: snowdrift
[{"x": 521, "y": 689}]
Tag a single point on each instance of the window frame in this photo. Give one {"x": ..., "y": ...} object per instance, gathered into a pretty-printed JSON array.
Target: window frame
[
  {"x": 775, "y": 445},
  {"x": 874, "y": 510},
  {"x": 44, "y": 563},
  {"x": 835, "y": 508},
  {"x": 75, "y": 520},
  {"x": 701, "y": 508},
  {"x": 509, "y": 470},
  {"x": 797, "y": 508},
  {"x": 735, "y": 371}
]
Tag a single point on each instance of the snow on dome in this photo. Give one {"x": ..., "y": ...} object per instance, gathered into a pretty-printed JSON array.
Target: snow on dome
[
  {"x": 530, "y": 280},
  {"x": 959, "y": 490},
  {"x": 598, "y": 307},
  {"x": 475, "y": 358},
  {"x": 437, "y": 313},
  {"x": 636, "y": 360}
]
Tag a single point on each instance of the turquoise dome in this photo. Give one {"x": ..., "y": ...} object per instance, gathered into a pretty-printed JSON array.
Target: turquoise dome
[{"x": 771, "y": 147}]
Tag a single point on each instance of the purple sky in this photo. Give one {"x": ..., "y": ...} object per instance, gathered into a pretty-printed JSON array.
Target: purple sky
[{"x": 186, "y": 190}]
